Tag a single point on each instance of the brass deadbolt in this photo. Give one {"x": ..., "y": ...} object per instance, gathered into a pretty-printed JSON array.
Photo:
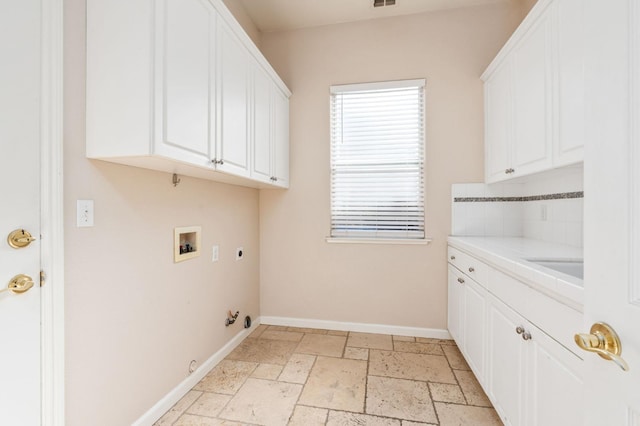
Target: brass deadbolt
[{"x": 20, "y": 238}]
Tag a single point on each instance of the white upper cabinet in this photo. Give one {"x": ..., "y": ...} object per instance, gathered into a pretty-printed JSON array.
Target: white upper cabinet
[
  {"x": 534, "y": 92},
  {"x": 170, "y": 88},
  {"x": 498, "y": 123},
  {"x": 281, "y": 139},
  {"x": 232, "y": 153},
  {"x": 262, "y": 126},
  {"x": 570, "y": 56},
  {"x": 532, "y": 100},
  {"x": 270, "y": 158},
  {"x": 186, "y": 81}
]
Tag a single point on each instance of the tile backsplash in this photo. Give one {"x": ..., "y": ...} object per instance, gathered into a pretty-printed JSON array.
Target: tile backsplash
[{"x": 546, "y": 208}]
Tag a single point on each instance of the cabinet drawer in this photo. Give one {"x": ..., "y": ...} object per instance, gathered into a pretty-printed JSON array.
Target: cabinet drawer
[
  {"x": 469, "y": 265},
  {"x": 557, "y": 320}
]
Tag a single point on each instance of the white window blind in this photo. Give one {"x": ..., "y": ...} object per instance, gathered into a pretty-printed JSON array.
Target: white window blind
[{"x": 377, "y": 160}]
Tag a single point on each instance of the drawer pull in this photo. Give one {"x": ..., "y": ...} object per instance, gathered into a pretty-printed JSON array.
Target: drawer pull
[
  {"x": 526, "y": 336},
  {"x": 452, "y": 257},
  {"x": 519, "y": 330},
  {"x": 471, "y": 269},
  {"x": 460, "y": 280}
]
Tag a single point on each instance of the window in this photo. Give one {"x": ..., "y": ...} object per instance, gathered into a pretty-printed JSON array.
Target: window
[{"x": 377, "y": 160}]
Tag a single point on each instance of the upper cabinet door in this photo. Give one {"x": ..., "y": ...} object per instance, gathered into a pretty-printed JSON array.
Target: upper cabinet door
[
  {"x": 262, "y": 128},
  {"x": 498, "y": 130},
  {"x": 185, "y": 76},
  {"x": 281, "y": 139},
  {"x": 532, "y": 100},
  {"x": 233, "y": 143},
  {"x": 570, "y": 42}
]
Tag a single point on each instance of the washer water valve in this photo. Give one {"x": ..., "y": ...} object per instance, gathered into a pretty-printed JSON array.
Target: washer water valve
[{"x": 231, "y": 318}]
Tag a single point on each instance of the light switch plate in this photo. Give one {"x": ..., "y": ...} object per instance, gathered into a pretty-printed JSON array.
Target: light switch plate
[
  {"x": 84, "y": 213},
  {"x": 215, "y": 253}
]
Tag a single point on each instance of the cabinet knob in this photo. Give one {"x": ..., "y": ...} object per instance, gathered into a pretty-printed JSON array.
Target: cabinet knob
[
  {"x": 526, "y": 336},
  {"x": 452, "y": 257},
  {"x": 221, "y": 162},
  {"x": 519, "y": 330},
  {"x": 471, "y": 269},
  {"x": 460, "y": 280}
]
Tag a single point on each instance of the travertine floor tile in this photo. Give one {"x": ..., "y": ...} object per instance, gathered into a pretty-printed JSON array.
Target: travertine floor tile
[
  {"x": 418, "y": 348},
  {"x": 371, "y": 341},
  {"x": 356, "y": 353},
  {"x": 336, "y": 383},
  {"x": 436, "y": 341},
  {"x": 319, "y": 344},
  {"x": 308, "y": 416},
  {"x": 267, "y": 371},
  {"x": 445, "y": 392},
  {"x": 180, "y": 407},
  {"x": 403, "y": 339},
  {"x": 399, "y": 398},
  {"x": 403, "y": 365},
  {"x": 457, "y": 415},
  {"x": 258, "y": 331},
  {"x": 209, "y": 404},
  {"x": 282, "y": 335},
  {"x": 308, "y": 330},
  {"x": 455, "y": 358},
  {"x": 263, "y": 402},
  {"x": 263, "y": 351},
  {"x": 340, "y": 418},
  {"x": 192, "y": 420},
  {"x": 297, "y": 369},
  {"x": 472, "y": 389},
  {"x": 226, "y": 377},
  {"x": 299, "y": 376}
]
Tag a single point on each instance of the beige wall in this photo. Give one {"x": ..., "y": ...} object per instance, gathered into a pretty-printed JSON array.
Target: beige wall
[
  {"x": 303, "y": 276},
  {"x": 240, "y": 13},
  {"x": 134, "y": 319}
]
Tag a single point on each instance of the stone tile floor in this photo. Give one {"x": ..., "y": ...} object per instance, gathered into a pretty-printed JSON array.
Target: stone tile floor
[{"x": 294, "y": 376}]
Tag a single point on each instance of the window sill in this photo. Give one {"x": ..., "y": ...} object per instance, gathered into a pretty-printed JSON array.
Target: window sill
[{"x": 394, "y": 241}]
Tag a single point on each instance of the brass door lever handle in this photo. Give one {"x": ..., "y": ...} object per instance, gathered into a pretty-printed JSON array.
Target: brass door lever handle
[
  {"x": 19, "y": 284},
  {"x": 604, "y": 341}
]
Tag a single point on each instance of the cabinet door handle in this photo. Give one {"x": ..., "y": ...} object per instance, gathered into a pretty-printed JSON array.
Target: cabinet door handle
[
  {"x": 526, "y": 335},
  {"x": 471, "y": 269},
  {"x": 519, "y": 329},
  {"x": 452, "y": 257},
  {"x": 460, "y": 280}
]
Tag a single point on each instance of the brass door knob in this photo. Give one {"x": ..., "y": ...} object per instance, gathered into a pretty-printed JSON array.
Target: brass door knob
[
  {"x": 20, "y": 238},
  {"x": 604, "y": 341},
  {"x": 19, "y": 284}
]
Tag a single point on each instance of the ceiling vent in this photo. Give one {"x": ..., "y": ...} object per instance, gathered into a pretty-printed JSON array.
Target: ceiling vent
[{"x": 380, "y": 3}]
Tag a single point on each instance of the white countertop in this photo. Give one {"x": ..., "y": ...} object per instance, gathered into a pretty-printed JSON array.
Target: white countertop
[{"x": 509, "y": 255}]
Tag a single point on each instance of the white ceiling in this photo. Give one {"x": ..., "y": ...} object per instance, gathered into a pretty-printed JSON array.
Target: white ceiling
[{"x": 278, "y": 15}]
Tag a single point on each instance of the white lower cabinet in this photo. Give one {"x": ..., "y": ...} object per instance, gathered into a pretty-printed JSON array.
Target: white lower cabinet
[
  {"x": 474, "y": 334},
  {"x": 531, "y": 379}
]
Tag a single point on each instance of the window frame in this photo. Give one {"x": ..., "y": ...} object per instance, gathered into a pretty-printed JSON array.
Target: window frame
[{"x": 372, "y": 86}]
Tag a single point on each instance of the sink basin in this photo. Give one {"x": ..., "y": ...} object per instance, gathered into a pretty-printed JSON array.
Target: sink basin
[{"x": 575, "y": 268}]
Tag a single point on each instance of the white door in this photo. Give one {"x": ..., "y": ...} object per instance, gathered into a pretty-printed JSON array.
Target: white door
[
  {"x": 20, "y": 99},
  {"x": 612, "y": 206}
]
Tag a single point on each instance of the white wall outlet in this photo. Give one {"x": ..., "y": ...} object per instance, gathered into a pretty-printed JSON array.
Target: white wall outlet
[
  {"x": 84, "y": 213},
  {"x": 239, "y": 253},
  {"x": 543, "y": 212},
  {"x": 215, "y": 256}
]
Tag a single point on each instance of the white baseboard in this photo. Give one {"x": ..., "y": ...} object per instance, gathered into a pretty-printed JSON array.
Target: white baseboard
[
  {"x": 433, "y": 333},
  {"x": 169, "y": 400}
]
